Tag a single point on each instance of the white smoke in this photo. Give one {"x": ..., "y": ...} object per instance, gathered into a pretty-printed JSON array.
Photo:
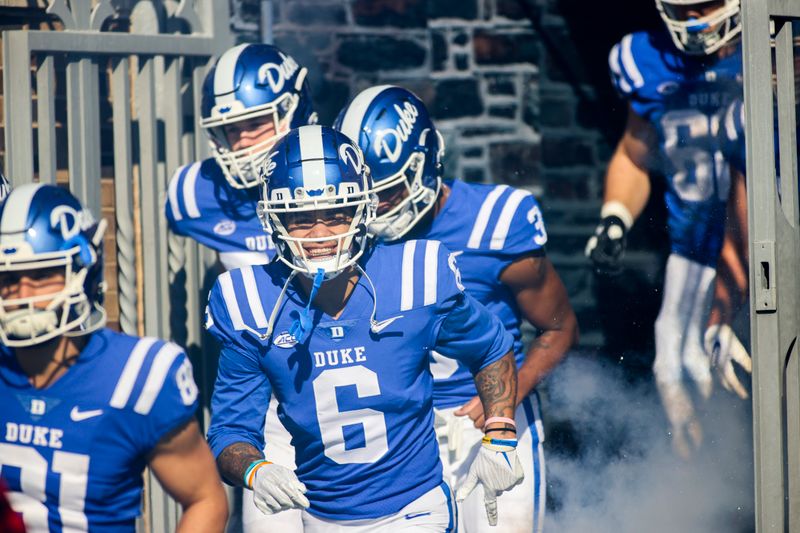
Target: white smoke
[{"x": 610, "y": 464}]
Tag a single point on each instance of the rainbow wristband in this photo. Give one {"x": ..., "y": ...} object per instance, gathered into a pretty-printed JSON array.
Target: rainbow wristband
[{"x": 250, "y": 473}]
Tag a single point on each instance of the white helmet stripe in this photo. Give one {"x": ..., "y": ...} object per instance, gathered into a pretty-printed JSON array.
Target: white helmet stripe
[
  {"x": 15, "y": 214},
  {"x": 313, "y": 157},
  {"x": 351, "y": 122},
  {"x": 226, "y": 67}
]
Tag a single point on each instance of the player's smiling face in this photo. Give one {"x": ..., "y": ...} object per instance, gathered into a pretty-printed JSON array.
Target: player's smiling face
[
  {"x": 696, "y": 11},
  {"x": 317, "y": 225},
  {"x": 251, "y": 132},
  {"x": 35, "y": 283},
  {"x": 391, "y": 197}
]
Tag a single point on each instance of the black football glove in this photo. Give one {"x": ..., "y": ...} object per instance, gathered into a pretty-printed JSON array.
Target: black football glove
[{"x": 607, "y": 246}]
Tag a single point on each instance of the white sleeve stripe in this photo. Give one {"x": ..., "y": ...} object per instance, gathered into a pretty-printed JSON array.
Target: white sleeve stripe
[
  {"x": 122, "y": 392},
  {"x": 173, "y": 194},
  {"x": 629, "y": 63},
  {"x": 253, "y": 298},
  {"x": 229, "y": 296},
  {"x": 155, "y": 379},
  {"x": 431, "y": 271},
  {"x": 613, "y": 63},
  {"x": 407, "y": 279},
  {"x": 730, "y": 126},
  {"x": 483, "y": 216},
  {"x": 504, "y": 222},
  {"x": 189, "y": 197}
]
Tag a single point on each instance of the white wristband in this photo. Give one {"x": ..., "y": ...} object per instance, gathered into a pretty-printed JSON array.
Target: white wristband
[{"x": 617, "y": 209}]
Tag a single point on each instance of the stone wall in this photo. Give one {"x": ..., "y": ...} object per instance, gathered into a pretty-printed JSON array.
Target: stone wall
[{"x": 520, "y": 90}]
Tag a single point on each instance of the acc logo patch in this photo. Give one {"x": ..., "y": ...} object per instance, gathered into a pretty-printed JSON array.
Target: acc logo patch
[
  {"x": 285, "y": 340},
  {"x": 225, "y": 227}
]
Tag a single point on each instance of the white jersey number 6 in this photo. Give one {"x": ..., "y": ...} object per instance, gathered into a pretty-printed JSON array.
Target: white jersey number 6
[{"x": 332, "y": 421}]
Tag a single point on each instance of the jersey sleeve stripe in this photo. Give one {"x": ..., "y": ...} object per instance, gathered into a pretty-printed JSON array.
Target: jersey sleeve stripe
[
  {"x": 156, "y": 377},
  {"x": 504, "y": 222},
  {"x": 189, "y": 196},
  {"x": 253, "y": 298},
  {"x": 482, "y": 220},
  {"x": 616, "y": 70},
  {"x": 231, "y": 303},
  {"x": 407, "y": 277},
  {"x": 174, "y": 183},
  {"x": 629, "y": 63},
  {"x": 122, "y": 392},
  {"x": 431, "y": 271}
]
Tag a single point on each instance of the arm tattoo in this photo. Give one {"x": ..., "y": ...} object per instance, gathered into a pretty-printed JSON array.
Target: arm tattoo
[
  {"x": 234, "y": 460},
  {"x": 497, "y": 387}
]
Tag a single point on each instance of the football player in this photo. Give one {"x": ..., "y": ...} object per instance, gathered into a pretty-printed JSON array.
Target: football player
[
  {"x": 678, "y": 84},
  {"x": 339, "y": 331},
  {"x": 86, "y": 409},
  {"x": 498, "y": 234},
  {"x": 254, "y": 94}
]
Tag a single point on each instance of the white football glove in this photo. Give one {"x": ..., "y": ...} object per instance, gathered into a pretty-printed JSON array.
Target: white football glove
[
  {"x": 724, "y": 349},
  {"x": 276, "y": 489},
  {"x": 498, "y": 469}
]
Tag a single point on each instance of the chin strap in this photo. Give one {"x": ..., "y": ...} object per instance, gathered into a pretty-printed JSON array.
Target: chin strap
[{"x": 301, "y": 327}]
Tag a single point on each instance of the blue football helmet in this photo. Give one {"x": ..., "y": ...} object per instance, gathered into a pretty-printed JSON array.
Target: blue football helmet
[
  {"x": 402, "y": 149},
  {"x": 253, "y": 81},
  {"x": 704, "y": 35},
  {"x": 45, "y": 227},
  {"x": 315, "y": 168}
]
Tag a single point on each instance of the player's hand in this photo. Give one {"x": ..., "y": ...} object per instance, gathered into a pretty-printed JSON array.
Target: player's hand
[
  {"x": 606, "y": 247},
  {"x": 724, "y": 349},
  {"x": 474, "y": 410},
  {"x": 497, "y": 468},
  {"x": 276, "y": 489}
]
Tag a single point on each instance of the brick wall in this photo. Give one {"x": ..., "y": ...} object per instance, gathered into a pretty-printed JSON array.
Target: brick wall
[{"x": 520, "y": 90}]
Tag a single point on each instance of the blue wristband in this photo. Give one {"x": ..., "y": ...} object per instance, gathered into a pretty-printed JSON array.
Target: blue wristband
[{"x": 500, "y": 442}]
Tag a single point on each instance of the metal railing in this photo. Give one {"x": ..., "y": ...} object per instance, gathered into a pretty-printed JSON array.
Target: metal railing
[
  {"x": 774, "y": 227},
  {"x": 153, "y": 71}
]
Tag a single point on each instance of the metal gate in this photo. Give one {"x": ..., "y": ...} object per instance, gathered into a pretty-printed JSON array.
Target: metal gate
[
  {"x": 774, "y": 260},
  {"x": 149, "y": 57}
]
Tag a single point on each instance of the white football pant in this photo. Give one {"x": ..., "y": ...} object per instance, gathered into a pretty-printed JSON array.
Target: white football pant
[
  {"x": 679, "y": 333},
  {"x": 522, "y": 508},
  {"x": 433, "y": 512},
  {"x": 280, "y": 451}
]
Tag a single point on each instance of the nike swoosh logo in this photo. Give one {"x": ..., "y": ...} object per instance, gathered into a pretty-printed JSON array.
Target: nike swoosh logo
[
  {"x": 416, "y": 515},
  {"x": 78, "y": 416},
  {"x": 377, "y": 327}
]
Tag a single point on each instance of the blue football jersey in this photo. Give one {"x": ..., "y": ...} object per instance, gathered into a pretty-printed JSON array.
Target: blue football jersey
[
  {"x": 504, "y": 224},
  {"x": 684, "y": 98},
  {"x": 357, "y": 403},
  {"x": 73, "y": 453},
  {"x": 202, "y": 205}
]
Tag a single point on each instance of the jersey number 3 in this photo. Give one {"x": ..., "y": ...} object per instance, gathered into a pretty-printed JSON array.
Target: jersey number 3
[
  {"x": 363, "y": 429},
  {"x": 73, "y": 469}
]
